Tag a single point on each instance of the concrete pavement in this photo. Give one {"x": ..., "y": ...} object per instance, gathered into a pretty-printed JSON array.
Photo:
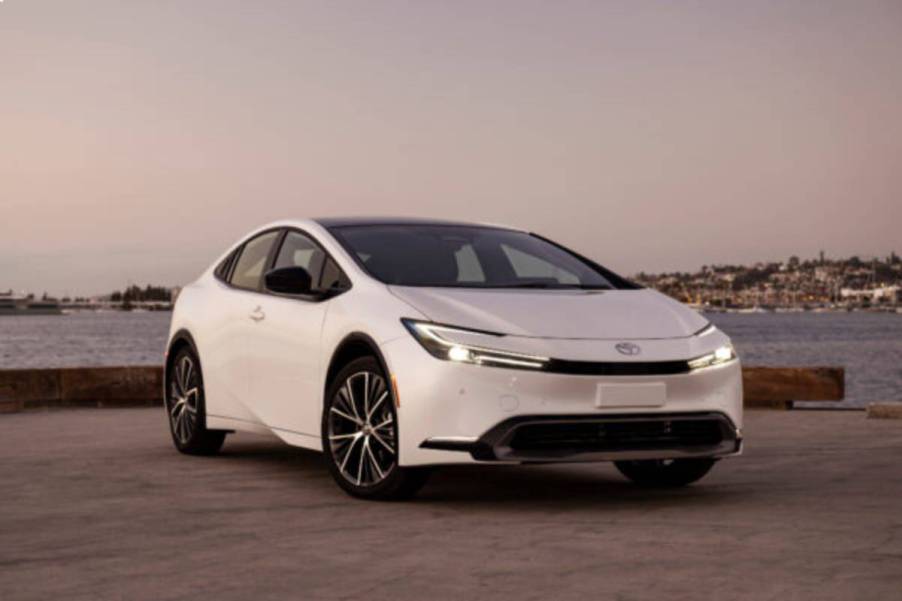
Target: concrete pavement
[{"x": 96, "y": 504}]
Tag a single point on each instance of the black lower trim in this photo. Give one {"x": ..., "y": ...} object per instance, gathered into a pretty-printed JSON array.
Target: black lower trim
[
  {"x": 617, "y": 368},
  {"x": 549, "y": 438},
  {"x": 448, "y": 445}
]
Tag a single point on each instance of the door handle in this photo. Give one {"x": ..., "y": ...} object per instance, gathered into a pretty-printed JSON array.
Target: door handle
[{"x": 258, "y": 314}]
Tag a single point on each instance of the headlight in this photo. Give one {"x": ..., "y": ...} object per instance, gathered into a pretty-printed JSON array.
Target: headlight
[
  {"x": 439, "y": 341},
  {"x": 721, "y": 355}
]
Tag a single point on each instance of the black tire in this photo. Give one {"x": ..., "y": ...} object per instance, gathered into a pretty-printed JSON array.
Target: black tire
[
  {"x": 665, "y": 473},
  {"x": 185, "y": 407},
  {"x": 360, "y": 435}
]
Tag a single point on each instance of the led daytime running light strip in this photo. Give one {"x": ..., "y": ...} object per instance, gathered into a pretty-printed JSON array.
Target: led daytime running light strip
[{"x": 466, "y": 353}]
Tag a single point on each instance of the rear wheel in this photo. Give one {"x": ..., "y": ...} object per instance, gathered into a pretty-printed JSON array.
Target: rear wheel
[
  {"x": 185, "y": 407},
  {"x": 665, "y": 473},
  {"x": 360, "y": 435}
]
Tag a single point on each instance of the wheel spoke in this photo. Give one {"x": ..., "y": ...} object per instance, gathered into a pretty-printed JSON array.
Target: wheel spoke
[
  {"x": 351, "y": 400},
  {"x": 360, "y": 461},
  {"x": 192, "y": 395},
  {"x": 343, "y": 436},
  {"x": 177, "y": 380},
  {"x": 347, "y": 456},
  {"x": 350, "y": 418},
  {"x": 176, "y": 408},
  {"x": 384, "y": 424},
  {"x": 342, "y": 399},
  {"x": 187, "y": 371},
  {"x": 182, "y": 429},
  {"x": 372, "y": 457},
  {"x": 366, "y": 394},
  {"x": 383, "y": 443},
  {"x": 186, "y": 425},
  {"x": 343, "y": 407},
  {"x": 369, "y": 415}
]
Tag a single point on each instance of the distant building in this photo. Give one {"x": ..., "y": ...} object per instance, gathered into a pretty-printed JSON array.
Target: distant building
[{"x": 882, "y": 294}]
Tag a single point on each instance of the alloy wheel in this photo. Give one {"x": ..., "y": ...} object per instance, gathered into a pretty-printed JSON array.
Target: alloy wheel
[
  {"x": 362, "y": 429},
  {"x": 184, "y": 393}
]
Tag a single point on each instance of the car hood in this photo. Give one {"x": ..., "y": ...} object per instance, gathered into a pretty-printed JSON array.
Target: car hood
[{"x": 575, "y": 314}]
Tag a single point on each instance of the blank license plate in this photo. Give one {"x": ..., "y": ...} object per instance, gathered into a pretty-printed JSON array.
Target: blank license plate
[{"x": 631, "y": 395}]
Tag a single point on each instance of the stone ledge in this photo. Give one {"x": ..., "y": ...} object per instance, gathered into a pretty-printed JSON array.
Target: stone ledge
[
  {"x": 778, "y": 387},
  {"x": 885, "y": 411},
  {"x": 80, "y": 387}
]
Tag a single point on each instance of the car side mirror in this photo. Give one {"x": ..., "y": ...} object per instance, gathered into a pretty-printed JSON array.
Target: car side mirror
[{"x": 288, "y": 280}]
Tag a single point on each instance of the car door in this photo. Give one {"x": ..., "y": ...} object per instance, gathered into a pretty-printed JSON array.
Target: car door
[
  {"x": 286, "y": 356},
  {"x": 225, "y": 354}
]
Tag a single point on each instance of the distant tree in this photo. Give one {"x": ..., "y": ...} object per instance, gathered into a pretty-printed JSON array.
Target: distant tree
[{"x": 136, "y": 294}]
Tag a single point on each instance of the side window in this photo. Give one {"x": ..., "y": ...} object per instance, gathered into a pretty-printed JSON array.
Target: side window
[
  {"x": 528, "y": 266},
  {"x": 333, "y": 277},
  {"x": 222, "y": 271},
  {"x": 252, "y": 261},
  {"x": 300, "y": 251}
]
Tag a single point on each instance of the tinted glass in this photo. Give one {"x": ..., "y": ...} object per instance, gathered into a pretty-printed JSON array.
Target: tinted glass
[
  {"x": 252, "y": 260},
  {"x": 222, "y": 271},
  {"x": 300, "y": 251},
  {"x": 462, "y": 256},
  {"x": 333, "y": 277},
  {"x": 529, "y": 266}
]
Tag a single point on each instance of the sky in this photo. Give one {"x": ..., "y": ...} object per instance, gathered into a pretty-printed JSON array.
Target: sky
[{"x": 139, "y": 139}]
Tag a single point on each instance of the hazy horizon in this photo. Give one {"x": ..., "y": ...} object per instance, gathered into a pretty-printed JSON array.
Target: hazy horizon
[
  {"x": 140, "y": 139},
  {"x": 39, "y": 292}
]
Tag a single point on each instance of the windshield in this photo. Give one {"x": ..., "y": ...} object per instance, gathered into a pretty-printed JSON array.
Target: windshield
[{"x": 468, "y": 257}]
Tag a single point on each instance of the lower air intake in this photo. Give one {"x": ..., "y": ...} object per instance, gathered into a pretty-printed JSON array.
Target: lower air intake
[{"x": 616, "y": 436}]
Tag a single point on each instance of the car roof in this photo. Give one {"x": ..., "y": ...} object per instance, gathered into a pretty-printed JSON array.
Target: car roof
[{"x": 332, "y": 222}]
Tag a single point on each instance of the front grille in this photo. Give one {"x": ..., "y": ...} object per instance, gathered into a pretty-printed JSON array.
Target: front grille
[
  {"x": 617, "y": 368},
  {"x": 631, "y": 435}
]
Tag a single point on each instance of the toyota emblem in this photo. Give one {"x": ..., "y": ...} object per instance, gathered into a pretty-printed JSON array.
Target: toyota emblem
[{"x": 628, "y": 348}]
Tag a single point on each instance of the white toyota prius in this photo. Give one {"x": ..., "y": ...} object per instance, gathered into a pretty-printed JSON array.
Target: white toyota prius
[{"x": 396, "y": 345}]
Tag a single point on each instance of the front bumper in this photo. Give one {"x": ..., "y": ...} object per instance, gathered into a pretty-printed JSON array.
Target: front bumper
[{"x": 446, "y": 408}]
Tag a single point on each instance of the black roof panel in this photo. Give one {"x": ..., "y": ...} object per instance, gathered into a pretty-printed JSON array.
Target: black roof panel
[{"x": 330, "y": 222}]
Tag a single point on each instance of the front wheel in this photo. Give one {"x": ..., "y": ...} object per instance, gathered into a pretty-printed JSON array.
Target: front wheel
[
  {"x": 360, "y": 435},
  {"x": 186, "y": 409},
  {"x": 665, "y": 473}
]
